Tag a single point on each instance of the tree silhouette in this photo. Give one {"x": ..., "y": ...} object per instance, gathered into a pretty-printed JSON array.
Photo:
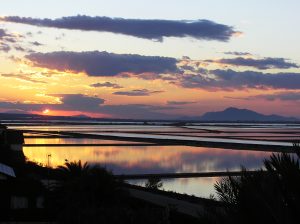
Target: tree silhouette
[
  {"x": 91, "y": 194},
  {"x": 154, "y": 183},
  {"x": 271, "y": 195}
]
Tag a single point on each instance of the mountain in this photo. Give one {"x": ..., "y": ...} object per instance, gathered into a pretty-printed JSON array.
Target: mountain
[
  {"x": 81, "y": 116},
  {"x": 235, "y": 114}
]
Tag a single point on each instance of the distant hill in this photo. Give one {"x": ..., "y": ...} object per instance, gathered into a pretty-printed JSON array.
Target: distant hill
[
  {"x": 230, "y": 114},
  {"x": 235, "y": 114}
]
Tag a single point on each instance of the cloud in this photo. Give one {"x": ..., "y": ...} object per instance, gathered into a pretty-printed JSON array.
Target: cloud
[
  {"x": 262, "y": 64},
  {"x": 36, "y": 43},
  {"x": 95, "y": 63},
  {"x": 79, "y": 102},
  {"x": 238, "y": 53},
  {"x": 137, "y": 92},
  {"x": 106, "y": 84},
  {"x": 141, "y": 28},
  {"x": 22, "y": 77},
  {"x": 4, "y": 47},
  {"x": 180, "y": 102},
  {"x": 8, "y": 40},
  {"x": 5, "y": 36},
  {"x": 229, "y": 80},
  {"x": 19, "y": 48},
  {"x": 9, "y": 37},
  {"x": 284, "y": 96},
  {"x": 93, "y": 104}
]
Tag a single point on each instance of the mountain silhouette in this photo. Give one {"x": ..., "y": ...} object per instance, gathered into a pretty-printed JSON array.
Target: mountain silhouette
[{"x": 235, "y": 114}]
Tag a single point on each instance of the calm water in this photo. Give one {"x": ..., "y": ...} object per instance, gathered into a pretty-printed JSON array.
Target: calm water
[
  {"x": 152, "y": 159},
  {"x": 135, "y": 159}
]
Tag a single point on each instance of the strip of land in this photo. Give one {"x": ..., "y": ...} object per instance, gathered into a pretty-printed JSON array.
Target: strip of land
[{"x": 183, "y": 175}]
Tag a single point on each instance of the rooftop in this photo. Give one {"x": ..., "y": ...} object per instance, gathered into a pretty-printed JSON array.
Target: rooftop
[{"x": 7, "y": 170}]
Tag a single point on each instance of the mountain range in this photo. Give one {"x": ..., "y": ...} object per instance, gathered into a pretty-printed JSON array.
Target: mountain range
[
  {"x": 230, "y": 114},
  {"x": 235, "y": 114}
]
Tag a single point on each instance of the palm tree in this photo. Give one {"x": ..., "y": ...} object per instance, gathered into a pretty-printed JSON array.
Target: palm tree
[
  {"x": 84, "y": 190},
  {"x": 91, "y": 194},
  {"x": 73, "y": 169},
  {"x": 269, "y": 196}
]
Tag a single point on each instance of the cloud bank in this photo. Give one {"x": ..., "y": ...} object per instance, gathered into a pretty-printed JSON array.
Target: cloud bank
[
  {"x": 141, "y": 28},
  {"x": 283, "y": 96},
  {"x": 191, "y": 75},
  {"x": 95, "y": 63},
  {"x": 262, "y": 64},
  {"x": 230, "y": 80}
]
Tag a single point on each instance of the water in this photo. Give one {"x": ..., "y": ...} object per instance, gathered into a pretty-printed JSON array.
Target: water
[
  {"x": 192, "y": 138},
  {"x": 135, "y": 159},
  {"x": 200, "y": 187},
  {"x": 155, "y": 159}
]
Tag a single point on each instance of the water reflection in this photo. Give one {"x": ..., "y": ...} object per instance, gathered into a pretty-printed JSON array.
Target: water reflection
[
  {"x": 150, "y": 159},
  {"x": 74, "y": 141},
  {"x": 201, "y": 187}
]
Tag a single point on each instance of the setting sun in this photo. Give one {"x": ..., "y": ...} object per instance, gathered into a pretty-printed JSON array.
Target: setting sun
[{"x": 46, "y": 111}]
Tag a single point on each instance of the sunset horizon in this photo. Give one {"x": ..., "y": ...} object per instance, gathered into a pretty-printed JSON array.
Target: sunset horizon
[{"x": 112, "y": 63}]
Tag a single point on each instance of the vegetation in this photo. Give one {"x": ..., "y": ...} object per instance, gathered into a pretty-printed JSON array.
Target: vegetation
[
  {"x": 154, "y": 183},
  {"x": 270, "y": 196},
  {"x": 91, "y": 194}
]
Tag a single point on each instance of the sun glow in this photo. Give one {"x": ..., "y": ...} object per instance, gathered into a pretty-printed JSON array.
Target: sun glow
[{"x": 46, "y": 111}]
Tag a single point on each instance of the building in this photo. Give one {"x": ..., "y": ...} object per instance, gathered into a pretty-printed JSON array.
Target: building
[
  {"x": 11, "y": 139},
  {"x": 6, "y": 172},
  {"x": 11, "y": 146},
  {"x": 21, "y": 196}
]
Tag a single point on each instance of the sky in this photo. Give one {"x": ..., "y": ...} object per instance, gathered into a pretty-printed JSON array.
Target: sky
[{"x": 149, "y": 59}]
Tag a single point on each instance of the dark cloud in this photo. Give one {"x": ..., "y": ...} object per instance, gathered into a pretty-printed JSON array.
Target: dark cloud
[
  {"x": 148, "y": 29},
  {"x": 106, "y": 84},
  {"x": 237, "y": 53},
  {"x": 180, "y": 102},
  {"x": 5, "y": 37},
  {"x": 153, "y": 76},
  {"x": 79, "y": 102},
  {"x": 2, "y": 33},
  {"x": 4, "y": 47},
  {"x": 36, "y": 43},
  {"x": 230, "y": 80},
  {"x": 23, "y": 77},
  {"x": 8, "y": 40},
  {"x": 137, "y": 92},
  {"x": 264, "y": 63},
  {"x": 95, "y": 63},
  {"x": 19, "y": 48},
  {"x": 284, "y": 96}
]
